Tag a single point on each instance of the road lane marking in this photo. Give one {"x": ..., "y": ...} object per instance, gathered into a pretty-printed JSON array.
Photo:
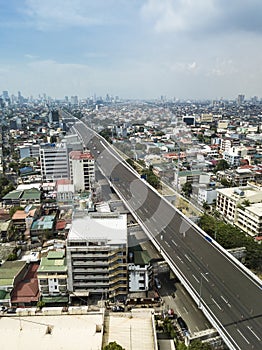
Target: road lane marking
[
  {"x": 174, "y": 242},
  {"x": 188, "y": 258},
  {"x": 167, "y": 244},
  {"x": 186, "y": 311},
  {"x": 204, "y": 276},
  {"x": 223, "y": 298},
  {"x": 251, "y": 330},
  {"x": 216, "y": 303},
  {"x": 242, "y": 335},
  {"x": 195, "y": 278},
  {"x": 179, "y": 259}
]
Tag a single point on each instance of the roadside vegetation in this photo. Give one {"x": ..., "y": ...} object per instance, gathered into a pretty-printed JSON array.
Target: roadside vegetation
[{"x": 229, "y": 236}]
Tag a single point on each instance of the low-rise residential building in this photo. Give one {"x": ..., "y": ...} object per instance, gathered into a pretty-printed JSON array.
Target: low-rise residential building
[
  {"x": 239, "y": 177},
  {"x": 22, "y": 197},
  {"x": 193, "y": 176},
  {"x": 236, "y": 202},
  {"x": 42, "y": 228},
  {"x": 22, "y": 219},
  {"x": 96, "y": 255},
  {"x": 52, "y": 277},
  {"x": 207, "y": 195},
  {"x": 11, "y": 273},
  {"x": 26, "y": 292}
]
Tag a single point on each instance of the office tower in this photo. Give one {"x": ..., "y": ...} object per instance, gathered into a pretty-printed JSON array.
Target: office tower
[
  {"x": 54, "y": 117},
  {"x": 240, "y": 99},
  {"x": 96, "y": 255},
  {"x": 54, "y": 162},
  {"x": 74, "y": 100},
  {"x": 5, "y": 95},
  {"x": 82, "y": 170}
]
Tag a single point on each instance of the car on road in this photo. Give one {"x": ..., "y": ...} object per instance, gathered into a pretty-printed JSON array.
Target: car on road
[
  {"x": 157, "y": 283},
  {"x": 183, "y": 325}
]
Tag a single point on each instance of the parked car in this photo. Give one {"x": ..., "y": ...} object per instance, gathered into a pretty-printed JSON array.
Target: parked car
[{"x": 183, "y": 325}]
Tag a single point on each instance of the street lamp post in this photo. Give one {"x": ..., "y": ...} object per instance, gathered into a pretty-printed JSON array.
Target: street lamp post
[{"x": 200, "y": 289}]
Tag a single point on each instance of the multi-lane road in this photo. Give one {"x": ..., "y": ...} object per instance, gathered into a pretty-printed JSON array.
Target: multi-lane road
[{"x": 229, "y": 296}]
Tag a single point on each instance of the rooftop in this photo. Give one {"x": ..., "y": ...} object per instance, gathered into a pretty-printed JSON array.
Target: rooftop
[
  {"x": 106, "y": 226},
  {"x": 55, "y": 261},
  {"x": 9, "y": 270},
  {"x": 132, "y": 331},
  {"x": 67, "y": 332},
  {"x": 77, "y": 155}
]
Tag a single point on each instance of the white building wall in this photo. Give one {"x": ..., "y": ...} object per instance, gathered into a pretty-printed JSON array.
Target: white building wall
[
  {"x": 54, "y": 163},
  {"x": 138, "y": 278}
]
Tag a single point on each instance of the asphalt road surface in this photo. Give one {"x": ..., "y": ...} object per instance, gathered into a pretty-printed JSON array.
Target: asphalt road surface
[{"x": 225, "y": 291}]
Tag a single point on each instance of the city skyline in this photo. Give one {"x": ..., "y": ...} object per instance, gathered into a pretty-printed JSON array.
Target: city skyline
[{"x": 139, "y": 49}]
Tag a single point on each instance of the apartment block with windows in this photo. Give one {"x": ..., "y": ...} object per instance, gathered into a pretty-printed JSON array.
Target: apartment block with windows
[
  {"x": 54, "y": 162},
  {"x": 52, "y": 277},
  {"x": 82, "y": 170},
  {"x": 241, "y": 206},
  {"x": 96, "y": 256}
]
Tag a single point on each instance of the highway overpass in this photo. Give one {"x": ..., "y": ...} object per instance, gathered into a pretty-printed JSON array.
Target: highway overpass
[{"x": 229, "y": 294}]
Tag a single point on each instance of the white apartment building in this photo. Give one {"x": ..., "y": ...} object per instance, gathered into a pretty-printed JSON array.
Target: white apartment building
[
  {"x": 206, "y": 195},
  {"x": 232, "y": 157},
  {"x": 82, "y": 170},
  {"x": 54, "y": 162},
  {"x": 249, "y": 219},
  {"x": 240, "y": 205},
  {"x": 139, "y": 272},
  {"x": 97, "y": 255}
]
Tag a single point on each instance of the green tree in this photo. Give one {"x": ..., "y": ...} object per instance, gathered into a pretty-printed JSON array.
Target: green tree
[
  {"x": 205, "y": 206},
  {"x": 113, "y": 346},
  {"x": 198, "y": 345},
  {"x": 230, "y": 237},
  {"x": 187, "y": 189},
  {"x": 226, "y": 183},
  {"x": 222, "y": 164},
  {"x": 151, "y": 178},
  {"x": 181, "y": 346}
]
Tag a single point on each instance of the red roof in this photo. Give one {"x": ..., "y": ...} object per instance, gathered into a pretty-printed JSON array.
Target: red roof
[
  {"x": 60, "y": 225},
  {"x": 63, "y": 182},
  {"x": 77, "y": 155},
  {"x": 27, "y": 290}
]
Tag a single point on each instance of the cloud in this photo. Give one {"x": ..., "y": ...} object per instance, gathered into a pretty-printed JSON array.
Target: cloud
[
  {"x": 203, "y": 16},
  {"x": 178, "y": 15},
  {"x": 60, "y": 14},
  {"x": 30, "y": 57}
]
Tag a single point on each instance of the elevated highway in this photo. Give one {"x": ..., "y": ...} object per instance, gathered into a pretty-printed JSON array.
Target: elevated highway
[{"x": 229, "y": 294}]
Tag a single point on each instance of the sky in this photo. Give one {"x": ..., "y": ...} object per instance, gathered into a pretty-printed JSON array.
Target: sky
[{"x": 137, "y": 49}]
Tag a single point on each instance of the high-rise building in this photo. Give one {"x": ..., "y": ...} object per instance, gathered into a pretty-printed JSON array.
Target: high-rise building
[
  {"x": 54, "y": 161},
  {"x": 82, "y": 170},
  {"x": 240, "y": 99},
  {"x": 97, "y": 255},
  {"x": 5, "y": 95},
  {"x": 54, "y": 116}
]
